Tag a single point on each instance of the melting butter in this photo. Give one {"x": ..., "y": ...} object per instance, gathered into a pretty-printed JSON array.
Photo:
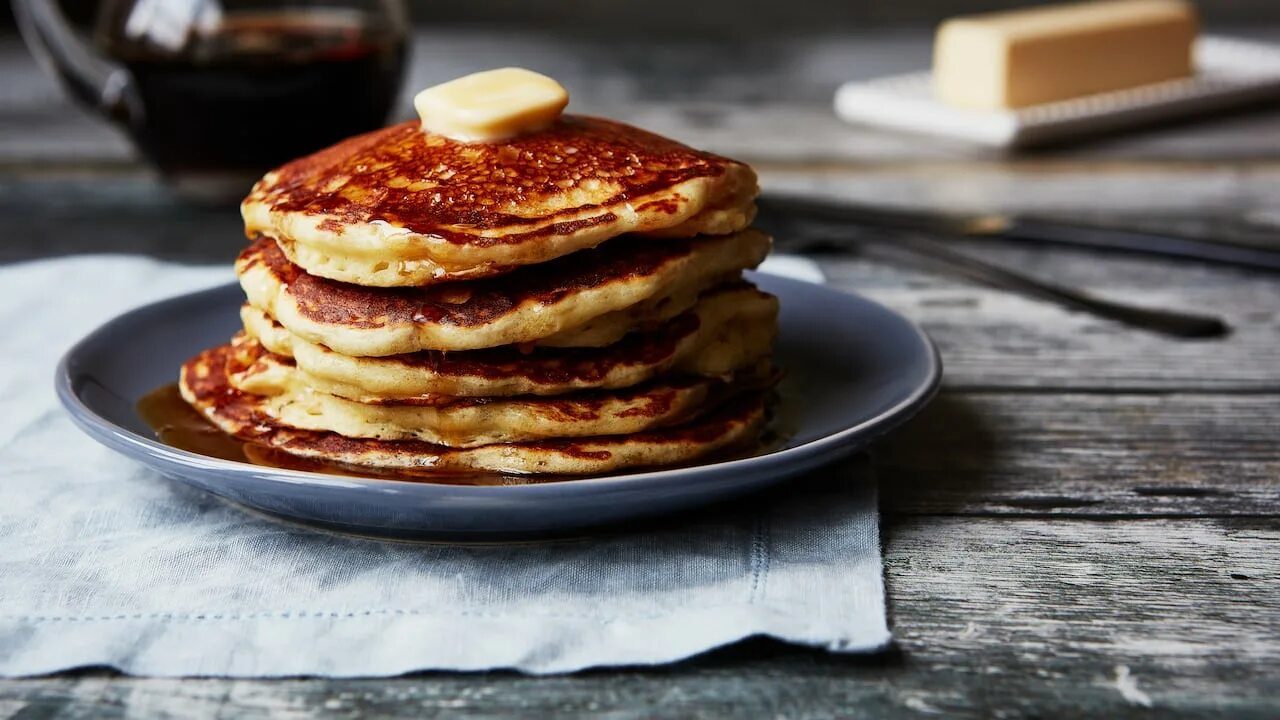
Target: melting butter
[{"x": 491, "y": 106}]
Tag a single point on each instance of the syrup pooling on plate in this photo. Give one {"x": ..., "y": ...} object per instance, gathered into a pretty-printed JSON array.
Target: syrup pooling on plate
[{"x": 178, "y": 425}]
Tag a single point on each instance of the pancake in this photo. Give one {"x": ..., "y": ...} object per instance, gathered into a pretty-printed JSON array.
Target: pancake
[
  {"x": 205, "y": 386},
  {"x": 624, "y": 284},
  {"x": 471, "y": 422},
  {"x": 730, "y": 328},
  {"x": 401, "y": 207}
]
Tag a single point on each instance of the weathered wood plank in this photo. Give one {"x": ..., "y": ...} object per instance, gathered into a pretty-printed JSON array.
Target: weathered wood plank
[
  {"x": 1189, "y": 607},
  {"x": 1093, "y": 455},
  {"x": 993, "y": 618},
  {"x": 994, "y": 339},
  {"x": 1044, "y": 186},
  {"x": 991, "y": 338}
]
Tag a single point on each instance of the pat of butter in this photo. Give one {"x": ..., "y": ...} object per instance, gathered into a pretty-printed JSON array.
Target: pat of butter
[
  {"x": 492, "y": 105},
  {"x": 1037, "y": 55}
]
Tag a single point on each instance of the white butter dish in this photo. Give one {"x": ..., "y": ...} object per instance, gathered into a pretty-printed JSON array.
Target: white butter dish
[{"x": 1229, "y": 72}]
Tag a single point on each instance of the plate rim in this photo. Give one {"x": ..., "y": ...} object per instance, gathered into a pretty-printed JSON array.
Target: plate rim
[{"x": 821, "y": 449}]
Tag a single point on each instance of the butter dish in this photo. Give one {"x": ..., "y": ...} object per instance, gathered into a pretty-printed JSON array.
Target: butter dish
[{"x": 1229, "y": 72}]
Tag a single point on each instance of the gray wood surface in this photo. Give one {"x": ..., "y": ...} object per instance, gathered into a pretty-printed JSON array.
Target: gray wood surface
[
  {"x": 994, "y": 617},
  {"x": 1086, "y": 455},
  {"x": 1085, "y": 522}
]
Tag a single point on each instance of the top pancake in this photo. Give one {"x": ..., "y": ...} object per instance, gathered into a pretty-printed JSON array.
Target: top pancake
[{"x": 401, "y": 207}]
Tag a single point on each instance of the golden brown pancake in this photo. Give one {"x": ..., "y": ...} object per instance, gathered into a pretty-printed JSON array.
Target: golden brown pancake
[
  {"x": 731, "y": 327},
  {"x": 470, "y": 422},
  {"x": 401, "y": 207},
  {"x": 204, "y": 385},
  {"x": 592, "y": 297}
]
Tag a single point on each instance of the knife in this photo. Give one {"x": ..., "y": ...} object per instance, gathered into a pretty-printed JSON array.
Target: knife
[
  {"x": 915, "y": 233},
  {"x": 781, "y": 208}
]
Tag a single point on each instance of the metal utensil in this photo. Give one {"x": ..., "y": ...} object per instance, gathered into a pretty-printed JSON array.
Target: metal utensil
[
  {"x": 994, "y": 225},
  {"x": 1166, "y": 322},
  {"x": 830, "y": 219}
]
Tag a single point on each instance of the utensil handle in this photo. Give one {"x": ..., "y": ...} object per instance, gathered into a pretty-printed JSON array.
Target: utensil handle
[
  {"x": 1218, "y": 251},
  {"x": 1166, "y": 322},
  {"x": 90, "y": 78},
  {"x": 1256, "y": 257}
]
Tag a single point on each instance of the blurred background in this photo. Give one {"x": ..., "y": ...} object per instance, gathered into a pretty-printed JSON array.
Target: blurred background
[
  {"x": 753, "y": 80},
  {"x": 622, "y": 58},
  {"x": 718, "y": 18}
]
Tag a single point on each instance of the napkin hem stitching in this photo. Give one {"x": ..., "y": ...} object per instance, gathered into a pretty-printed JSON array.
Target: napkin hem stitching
[
  {"x": 760, "y": 542},
  {"x": 282, "y": 615}
]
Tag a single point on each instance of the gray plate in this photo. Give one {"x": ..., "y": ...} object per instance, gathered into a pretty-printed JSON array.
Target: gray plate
[{"x": 854, "y": 371}]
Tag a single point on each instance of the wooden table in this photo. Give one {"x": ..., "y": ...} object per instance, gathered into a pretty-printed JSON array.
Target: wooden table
[{"x": 1083, "y": 522}]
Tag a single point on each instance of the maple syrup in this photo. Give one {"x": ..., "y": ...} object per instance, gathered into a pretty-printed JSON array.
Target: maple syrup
[
  {"x": 178, "y": 425},
  {"x": 259, "y": 89}
]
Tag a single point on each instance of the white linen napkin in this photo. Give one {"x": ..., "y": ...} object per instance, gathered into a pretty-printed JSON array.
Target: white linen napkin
[{"x": 105, "y": 563}]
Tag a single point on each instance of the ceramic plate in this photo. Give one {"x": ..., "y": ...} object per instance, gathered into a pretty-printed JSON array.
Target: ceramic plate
[{"x": 854, "y": 371}]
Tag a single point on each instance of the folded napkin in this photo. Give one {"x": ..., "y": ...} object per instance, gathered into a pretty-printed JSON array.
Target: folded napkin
[{"x": 103, "y": 562}]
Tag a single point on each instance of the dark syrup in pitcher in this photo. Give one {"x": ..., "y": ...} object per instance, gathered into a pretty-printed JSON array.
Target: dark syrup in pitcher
[{"x": 260, "y": 89}]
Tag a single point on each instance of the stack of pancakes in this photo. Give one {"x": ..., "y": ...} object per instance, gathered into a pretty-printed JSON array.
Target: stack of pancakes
[{"x": 569, "y": 301}]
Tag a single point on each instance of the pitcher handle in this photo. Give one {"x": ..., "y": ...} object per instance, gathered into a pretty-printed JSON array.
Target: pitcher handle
[{"x": 90, "y": 78}]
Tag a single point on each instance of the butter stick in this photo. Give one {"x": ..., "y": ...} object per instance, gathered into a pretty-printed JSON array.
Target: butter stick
[{"x": 1044, "y": 54}]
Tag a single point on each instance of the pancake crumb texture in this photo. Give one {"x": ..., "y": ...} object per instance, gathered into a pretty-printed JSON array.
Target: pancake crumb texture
[{"x": 400, "y": 207}]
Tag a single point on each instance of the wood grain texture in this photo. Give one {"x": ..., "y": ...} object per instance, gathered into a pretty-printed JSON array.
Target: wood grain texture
[
  {"x": 1032, "y": 605},
  {"x": 1097, "y": 455},
  {"x": 1030, "y": 618},
  {"x": 993, "y": 338},
  {"x": 1061, "y": 187},
  {"x": 1013, "y": 341}
]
